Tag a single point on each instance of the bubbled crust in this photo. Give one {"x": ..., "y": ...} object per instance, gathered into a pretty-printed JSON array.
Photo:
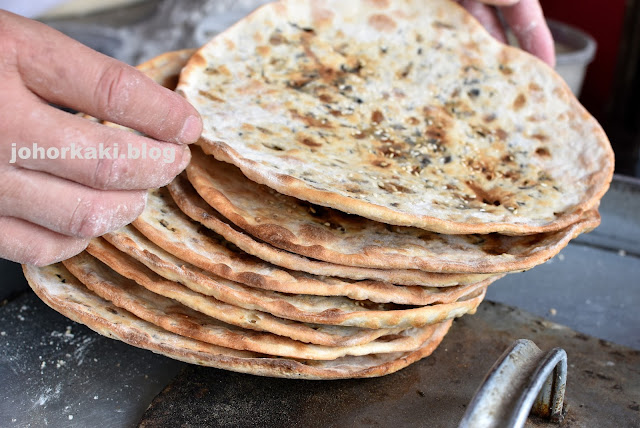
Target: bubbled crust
[{"x": 404, "y": 112}]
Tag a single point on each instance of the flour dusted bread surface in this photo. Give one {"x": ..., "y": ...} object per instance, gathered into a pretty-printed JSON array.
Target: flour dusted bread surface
[{"x": 405, "y": 112}]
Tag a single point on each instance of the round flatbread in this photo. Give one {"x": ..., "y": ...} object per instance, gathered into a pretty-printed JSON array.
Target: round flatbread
[
  {"x": 180, "y": 319},
  {"x": 333, "y": 236},
  {"x": 189, "y": 202},
  {"x": 305, "y": 308},
  {"x": 64, "y": 293},
  {"x": 319, "y": 334},
  {"x": 166, "y": 226},
  {"x": 328, "y": 335},
  {"x": 404, "y": 112}
]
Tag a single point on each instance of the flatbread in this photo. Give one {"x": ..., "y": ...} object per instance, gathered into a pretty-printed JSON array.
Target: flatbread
[
  {"x": 319, "y": 334},
  {"x": 177, "y": 318},
  {"x": 309, "y": 309},
  {"x": 64, "y": 293},
  {"x": 406, "y": 112},
  {"x": 189, "y": 202},
  {"x": 371, "y": 290},
  {"x": 165, "y": 225},
  {"x": 333, "y": 236}
]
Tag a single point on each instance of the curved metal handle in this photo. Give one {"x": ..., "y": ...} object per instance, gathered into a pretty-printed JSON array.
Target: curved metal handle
[{"x": 524, "y": 379}]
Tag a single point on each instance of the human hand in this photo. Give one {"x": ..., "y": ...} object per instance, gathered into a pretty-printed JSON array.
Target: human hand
[
  {"x": 49, "y": 208},
  {"x": 524, "y": 17}
]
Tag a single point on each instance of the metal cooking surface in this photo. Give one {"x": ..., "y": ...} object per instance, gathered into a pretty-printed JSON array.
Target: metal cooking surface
[
  {"x": 58, "y": 373},
  {"x": 54, "y": 375},
  {"x": 603, "y": 387}
]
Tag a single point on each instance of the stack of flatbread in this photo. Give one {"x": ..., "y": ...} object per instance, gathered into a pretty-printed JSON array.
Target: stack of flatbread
[{"x": 367, "y": 168}]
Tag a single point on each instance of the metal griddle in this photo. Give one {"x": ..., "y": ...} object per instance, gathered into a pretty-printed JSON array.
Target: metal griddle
[
  {"x": 57, "y": 373},
  {"x": 603, "y": 380}
]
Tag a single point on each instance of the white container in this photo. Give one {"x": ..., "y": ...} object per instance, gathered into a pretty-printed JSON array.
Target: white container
[{"x": 575, "y": 50}]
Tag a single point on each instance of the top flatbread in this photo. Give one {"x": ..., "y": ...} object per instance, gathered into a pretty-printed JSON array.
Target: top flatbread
[{"x": 405, "y": 112}]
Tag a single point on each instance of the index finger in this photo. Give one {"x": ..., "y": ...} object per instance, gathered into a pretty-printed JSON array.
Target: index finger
[
  {"x": 65, "y": 72},
  {"x": 530, "y": 28}
]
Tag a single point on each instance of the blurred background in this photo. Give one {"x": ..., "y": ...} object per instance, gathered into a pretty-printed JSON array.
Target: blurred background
[{"x": 612, "y": 83}]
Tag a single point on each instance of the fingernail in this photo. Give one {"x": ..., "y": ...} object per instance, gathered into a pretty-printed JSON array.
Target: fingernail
[
  {"x": 186, "y": 157},
  {"x": 191, "y": 130}
]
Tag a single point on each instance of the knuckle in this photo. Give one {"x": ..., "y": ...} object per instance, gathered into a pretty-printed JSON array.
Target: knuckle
[
  {"x": 112, "y": 90},
  {"x": 175, "y": 111},
  {"x": 101, "y": 212},
  {"x": 104, "y": 173},
  {"x": 87, "y": 221},
  {"x": 111, "y": 167},
  {"x": 7, "y": 187}
]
